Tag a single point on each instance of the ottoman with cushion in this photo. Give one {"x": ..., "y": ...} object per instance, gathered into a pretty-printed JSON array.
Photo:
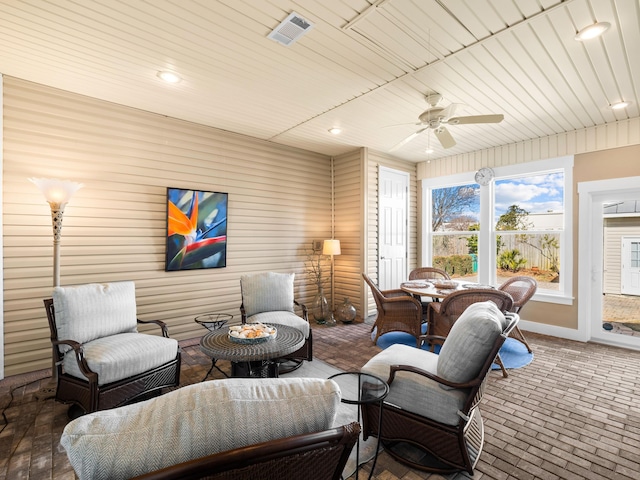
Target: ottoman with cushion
[
  {"x": 213, "y": 427},
  {"x": 433, "y": 398}
]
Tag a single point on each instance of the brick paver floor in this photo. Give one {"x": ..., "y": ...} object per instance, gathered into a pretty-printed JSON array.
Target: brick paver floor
[{"x": 573, "y": 413}]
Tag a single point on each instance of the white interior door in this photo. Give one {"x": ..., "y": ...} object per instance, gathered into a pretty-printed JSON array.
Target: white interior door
[
  {"x": 630, "y": 265},
  {"x": 393, "y": 207}
]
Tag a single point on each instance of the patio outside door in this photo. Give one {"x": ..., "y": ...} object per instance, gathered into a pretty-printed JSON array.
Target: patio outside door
[{"x": 393, "y": 207}]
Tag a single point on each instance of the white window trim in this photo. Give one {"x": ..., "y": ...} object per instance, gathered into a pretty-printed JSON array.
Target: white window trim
[{"x": 565, "y": 297}]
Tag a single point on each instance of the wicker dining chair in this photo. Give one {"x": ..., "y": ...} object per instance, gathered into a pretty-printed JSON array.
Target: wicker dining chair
[
  {"x": 442, "y": 316},
  {"x": 521, "y": 289},
  {"x": 398, "y": 311},
  {"x": 428, "y": 273}
]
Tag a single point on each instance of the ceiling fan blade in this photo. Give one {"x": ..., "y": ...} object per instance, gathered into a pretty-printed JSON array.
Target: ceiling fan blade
[
  {"x": 445, "y": 138},
  {"x": 496, "y": 118},
  {"x": 408, "y": 139},
  {"x": 448, "y": 111}
]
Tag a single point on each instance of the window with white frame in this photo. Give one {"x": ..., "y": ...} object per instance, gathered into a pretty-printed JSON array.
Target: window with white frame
[{"x": 517, "y": 224}]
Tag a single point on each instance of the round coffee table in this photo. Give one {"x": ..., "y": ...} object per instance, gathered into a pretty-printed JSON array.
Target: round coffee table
[{"x": 252, "y": 360}]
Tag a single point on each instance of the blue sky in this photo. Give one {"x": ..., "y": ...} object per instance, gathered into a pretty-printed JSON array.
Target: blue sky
[{"x": 535, "y": 194}]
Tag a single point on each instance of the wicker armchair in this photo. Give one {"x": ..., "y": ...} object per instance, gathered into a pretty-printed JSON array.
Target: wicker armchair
[
  {"x": 442, "y": 316},
  {"x": 521, "y": 290},
  {"x": 237, "y": 428},
  {"x": 428, "y": 273},
  {"x": 433, "y": 402},
  {"x": 312, "y": 456},
  {"x": 398, "y": 311},
  {"x": 101, "y": 360},
  {"x": 268, "y": 298}
]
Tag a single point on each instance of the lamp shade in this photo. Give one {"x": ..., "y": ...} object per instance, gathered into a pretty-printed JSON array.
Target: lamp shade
[
  {"x": 331, "y": 247},
  {"x": 56, "y": 191}
]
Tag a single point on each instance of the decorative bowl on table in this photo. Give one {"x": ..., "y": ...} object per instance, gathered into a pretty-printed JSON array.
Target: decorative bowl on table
[
  {"x": 478, "y": 286},
  {"x": 416, "y": 284},
  {"x": 445, "y": 284},
  {"x": 252, "y": 333}
]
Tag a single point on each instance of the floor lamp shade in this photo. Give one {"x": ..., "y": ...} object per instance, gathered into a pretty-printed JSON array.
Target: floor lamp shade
[
  {"x": 331, "y": 247},
  {"x": 57, "y": 193}
]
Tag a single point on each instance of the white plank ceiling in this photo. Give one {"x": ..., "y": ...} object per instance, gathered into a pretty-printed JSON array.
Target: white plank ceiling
[{"x": 365, "y": 66}]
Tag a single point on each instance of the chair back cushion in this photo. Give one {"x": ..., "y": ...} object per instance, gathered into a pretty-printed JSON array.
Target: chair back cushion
[
  {"x": 195, "y": 421},
  {"x": 267, "y": 292},
  {"x": 87, "y": 312},
  {"x": 470, "y": 340}
]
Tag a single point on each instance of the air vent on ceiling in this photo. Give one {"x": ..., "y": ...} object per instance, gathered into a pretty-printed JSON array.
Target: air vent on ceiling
[{"x": 290, "y": 29}]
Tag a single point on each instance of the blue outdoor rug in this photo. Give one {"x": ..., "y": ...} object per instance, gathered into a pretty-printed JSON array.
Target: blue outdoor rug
[{"x": 513, "y": 353}]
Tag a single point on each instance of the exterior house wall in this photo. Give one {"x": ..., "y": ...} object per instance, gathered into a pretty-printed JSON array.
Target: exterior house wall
[
  {"x": 614, "y": 230},
  {"x": 115, "y": 227}
]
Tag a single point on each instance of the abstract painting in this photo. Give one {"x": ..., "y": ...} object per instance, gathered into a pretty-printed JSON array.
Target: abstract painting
[{"x": 196, "y": 229}]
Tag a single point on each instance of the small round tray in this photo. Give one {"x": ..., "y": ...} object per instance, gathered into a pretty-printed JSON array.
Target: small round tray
[{"x": 253, "y": 341}]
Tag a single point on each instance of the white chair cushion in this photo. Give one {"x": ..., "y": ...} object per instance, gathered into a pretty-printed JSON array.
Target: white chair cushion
[
  {"x": 469, "y": 342},
  {"x": 282, "y": 318},
  {"x": 415, "y": 393},
  {"x": 268, "y": 291},
  {"x": 195, "y": 421},
  {"x": 86, "y": 312},
  {"x": 122, "y": 355}
]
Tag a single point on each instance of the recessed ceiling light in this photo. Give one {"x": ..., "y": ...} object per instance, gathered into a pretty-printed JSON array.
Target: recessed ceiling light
[
  {"x": 619, "y": 105},
  {"x": 335, "y": 130},
  {"x": 169, "y": 77},
  {"x": 429, "y": 150},
  {"x": 592, "y": 31}
]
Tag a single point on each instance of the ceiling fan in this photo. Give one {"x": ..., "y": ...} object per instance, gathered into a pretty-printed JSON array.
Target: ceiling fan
[{"x": 435, "y": 118}]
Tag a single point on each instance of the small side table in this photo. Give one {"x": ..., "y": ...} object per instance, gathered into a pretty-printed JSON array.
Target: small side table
[
  {"x": 212, "y": 322},
  {"x": 370, "y": 389}
]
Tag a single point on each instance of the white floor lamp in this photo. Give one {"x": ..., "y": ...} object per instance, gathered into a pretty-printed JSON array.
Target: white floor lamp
[
  {"x": 57, "y": 193},
  {"x": 331, "y": 247}
]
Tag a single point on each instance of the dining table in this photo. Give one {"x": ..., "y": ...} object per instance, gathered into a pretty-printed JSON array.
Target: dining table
[{"x": 439, "y": 289}]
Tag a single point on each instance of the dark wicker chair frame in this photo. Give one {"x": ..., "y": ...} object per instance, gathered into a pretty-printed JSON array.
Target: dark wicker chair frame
[
  {"x": 398, "y": 311},
  {"x": 90, "y": 396},
  {"x": 521, "y": 289},
  {"x": 449, "y": 448},
  {"x": 293, "y": 360},
  {"x": 428, "y": 273},
  {"x": 441, "y": 316},
  {"x": 312, "y": 456}
]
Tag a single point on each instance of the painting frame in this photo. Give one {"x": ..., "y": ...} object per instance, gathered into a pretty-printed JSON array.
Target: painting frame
[{"x": 196, "y": 229}]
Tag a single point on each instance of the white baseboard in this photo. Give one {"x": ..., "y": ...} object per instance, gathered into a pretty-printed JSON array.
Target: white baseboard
[{"x": 551, "y": 330}]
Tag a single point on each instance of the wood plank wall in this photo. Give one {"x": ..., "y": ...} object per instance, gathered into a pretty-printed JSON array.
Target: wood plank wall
[
  {"x": 373, "y": 161},
  {"x": 114, "y": 228},
  {"x": 613, "y": 135},
  {"x": 349, "y": 228}
]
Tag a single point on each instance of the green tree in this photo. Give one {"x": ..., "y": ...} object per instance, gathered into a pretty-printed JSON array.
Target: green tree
[{"x": 515, "y": 218}]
